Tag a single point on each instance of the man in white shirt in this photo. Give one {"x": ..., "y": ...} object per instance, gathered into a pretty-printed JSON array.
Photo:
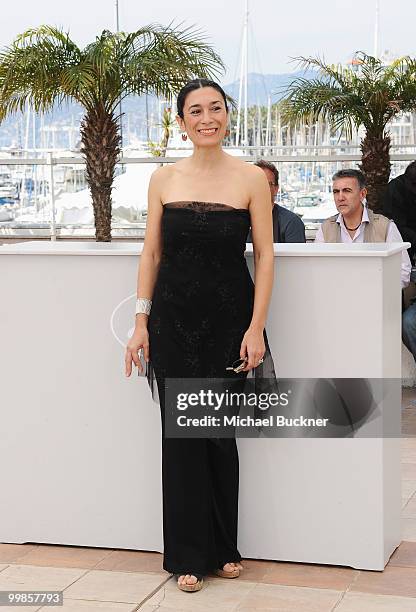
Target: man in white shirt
[{"x": 355, "y": 223}]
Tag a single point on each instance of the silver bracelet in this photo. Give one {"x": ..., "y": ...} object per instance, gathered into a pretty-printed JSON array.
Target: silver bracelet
[{"x": 143, "y": 306}]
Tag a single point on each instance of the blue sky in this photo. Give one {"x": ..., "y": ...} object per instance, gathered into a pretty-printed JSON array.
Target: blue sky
[{"x": 279, "y": 29}]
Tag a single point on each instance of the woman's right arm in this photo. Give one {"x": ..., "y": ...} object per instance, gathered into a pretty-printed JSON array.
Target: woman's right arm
[{"x": 147, "y": 271}]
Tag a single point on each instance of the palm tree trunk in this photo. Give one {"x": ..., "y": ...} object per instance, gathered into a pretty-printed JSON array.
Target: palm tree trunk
[
  {"x": 100, "y": 146},
  {"x": 165, "y": 141},
  {"x": 375, "y": 163}
]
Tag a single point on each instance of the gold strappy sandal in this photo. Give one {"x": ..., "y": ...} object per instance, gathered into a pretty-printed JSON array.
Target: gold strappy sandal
[
  {"x": 190, "y": 588},
  {"x": 223, "y": 574}
]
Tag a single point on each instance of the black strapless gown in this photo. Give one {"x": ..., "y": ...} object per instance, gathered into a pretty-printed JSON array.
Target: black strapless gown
[{"x": 202, "y": 306}]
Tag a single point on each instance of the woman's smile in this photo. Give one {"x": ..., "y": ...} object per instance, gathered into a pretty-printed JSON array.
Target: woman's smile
[{"x": 208, "y": 131}]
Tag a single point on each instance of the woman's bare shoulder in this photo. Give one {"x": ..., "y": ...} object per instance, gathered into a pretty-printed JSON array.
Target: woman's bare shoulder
[
  {"x": 169, "y": 170},
  {"x": 160, "y": 173},
  {"x": 246, "y": 168},
  {"x": 250, "y": 175},
  {"x": 254, "y": 172}
]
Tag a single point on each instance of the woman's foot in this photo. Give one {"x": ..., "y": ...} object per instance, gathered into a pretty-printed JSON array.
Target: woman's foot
[
  {"x": 229, "y": 567},
  {"x": 190, "y": 582},
  {"x": 229, "y": 570},
  {"x": 237, "y": 565}
]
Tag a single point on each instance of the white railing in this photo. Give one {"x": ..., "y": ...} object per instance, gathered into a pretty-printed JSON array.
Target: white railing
[{"x": 288, "y": 158}]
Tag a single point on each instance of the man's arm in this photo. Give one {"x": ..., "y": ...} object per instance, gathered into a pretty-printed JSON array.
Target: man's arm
[
  {"x": 319, "y": 237},
  {"x": 294, "y": 231},
  {"x": 396, "y": 207},
  {"x": 393, "y": 235}
]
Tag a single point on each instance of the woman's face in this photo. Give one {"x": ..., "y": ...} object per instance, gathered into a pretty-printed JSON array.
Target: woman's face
[{"x": 205, "y": 117}]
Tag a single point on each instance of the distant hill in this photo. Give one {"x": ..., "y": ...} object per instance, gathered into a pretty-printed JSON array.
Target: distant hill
[
  {"x": 15, "y": 131},
  {"x": 260, "y": 86}
]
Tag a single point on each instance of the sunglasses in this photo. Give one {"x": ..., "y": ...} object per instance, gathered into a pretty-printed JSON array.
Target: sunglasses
[{"x": 238, "y": 365}]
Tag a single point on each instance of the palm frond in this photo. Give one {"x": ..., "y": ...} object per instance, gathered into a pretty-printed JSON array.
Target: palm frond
[
  {"x": 370, "y": 94},
  {"x": 44, "y": 66},
  {"x": 163, "y": 59},
  {"x": 31, "y": 68}
]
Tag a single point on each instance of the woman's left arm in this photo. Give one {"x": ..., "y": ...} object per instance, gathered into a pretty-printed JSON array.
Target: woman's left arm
[{"x": 260, "y": 207}]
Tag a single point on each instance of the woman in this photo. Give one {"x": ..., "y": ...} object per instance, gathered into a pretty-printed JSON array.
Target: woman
[{"x": 197, "y": 312}]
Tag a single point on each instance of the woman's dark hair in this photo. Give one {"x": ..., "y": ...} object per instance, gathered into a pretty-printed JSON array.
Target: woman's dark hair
[{"x": 198, "y": 84}]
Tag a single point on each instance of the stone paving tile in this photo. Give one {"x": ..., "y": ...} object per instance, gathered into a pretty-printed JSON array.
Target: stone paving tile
[
  {"x": 32, "y": 577},
  {"x": 409, "y": 529},
  {"x": 364, "y": 602},
  {"x": 265, "y": 597},
  {"x": 408, "y": 454},
  {"x": 242, "y": 596},
  {"x": 408, "y": 490},
  {"x": 132, "y": 561},
  {"x": 217, "y": 594},
  {"x": 17, "y": 608},
  {"x": 404, "y": 555},
  {"x": 123, "y": 587},
  {"x": 15, "y": 552},
  {"x": 409, "y": 421},
  {"x": 84, "y": 605},
  {"x": 408, "y": 471},
  {"x": 408, "y": 396},
  {"x": 310, "y": 575},
  {"x": 399, "y": 581},
  {"x": 255, "y": 570},
  {"x": 66, "y": 556},
  {"x": 409, "y": 511},
  {"x": 408, "y": 443}
]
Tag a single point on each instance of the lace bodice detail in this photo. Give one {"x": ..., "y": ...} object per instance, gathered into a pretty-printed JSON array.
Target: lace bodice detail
[{"x": 202, "y": 207}]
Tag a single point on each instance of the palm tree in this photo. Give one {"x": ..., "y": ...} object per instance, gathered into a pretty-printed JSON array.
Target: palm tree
[
  {"x": 347, "y": 98},
  {"x": 168, "y": 122},
  {"x": 43, "y": 66}
]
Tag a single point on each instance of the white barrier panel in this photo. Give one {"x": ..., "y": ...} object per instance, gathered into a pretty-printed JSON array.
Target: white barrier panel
[{"x": 80, "y": 443}]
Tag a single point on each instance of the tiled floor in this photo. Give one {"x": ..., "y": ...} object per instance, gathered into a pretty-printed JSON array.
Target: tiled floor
[{"x": 106, "y": 580}]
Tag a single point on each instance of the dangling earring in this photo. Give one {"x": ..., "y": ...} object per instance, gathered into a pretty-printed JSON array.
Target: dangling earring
[{"x": 184, "y": 136}]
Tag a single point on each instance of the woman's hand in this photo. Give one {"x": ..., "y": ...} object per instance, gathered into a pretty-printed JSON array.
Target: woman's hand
[
  {"x": 139, "y": 340},
  {"x": 252, "y": 348}
]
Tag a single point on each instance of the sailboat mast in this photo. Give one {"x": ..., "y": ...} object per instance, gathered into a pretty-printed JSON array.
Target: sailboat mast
[
  {"x": 240, "y": 93},
  {"x": 268, "y": 122},
  {"x": 242, "y": 89},
  {"x": 377, "y": 29},
  {"x": 119, "y": 103},
  {"x": 246, "y": 77}
]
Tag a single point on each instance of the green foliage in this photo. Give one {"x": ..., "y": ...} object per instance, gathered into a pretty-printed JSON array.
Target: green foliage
[
  {"x": 369, "y": 95},
  {"x": 43, "y": 66},
  {"x": 155, "y": 148},
  {"x": 158, "y": 149}
]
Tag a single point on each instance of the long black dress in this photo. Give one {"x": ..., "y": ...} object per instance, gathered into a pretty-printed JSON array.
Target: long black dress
[{"x": 202, "y": 306}]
